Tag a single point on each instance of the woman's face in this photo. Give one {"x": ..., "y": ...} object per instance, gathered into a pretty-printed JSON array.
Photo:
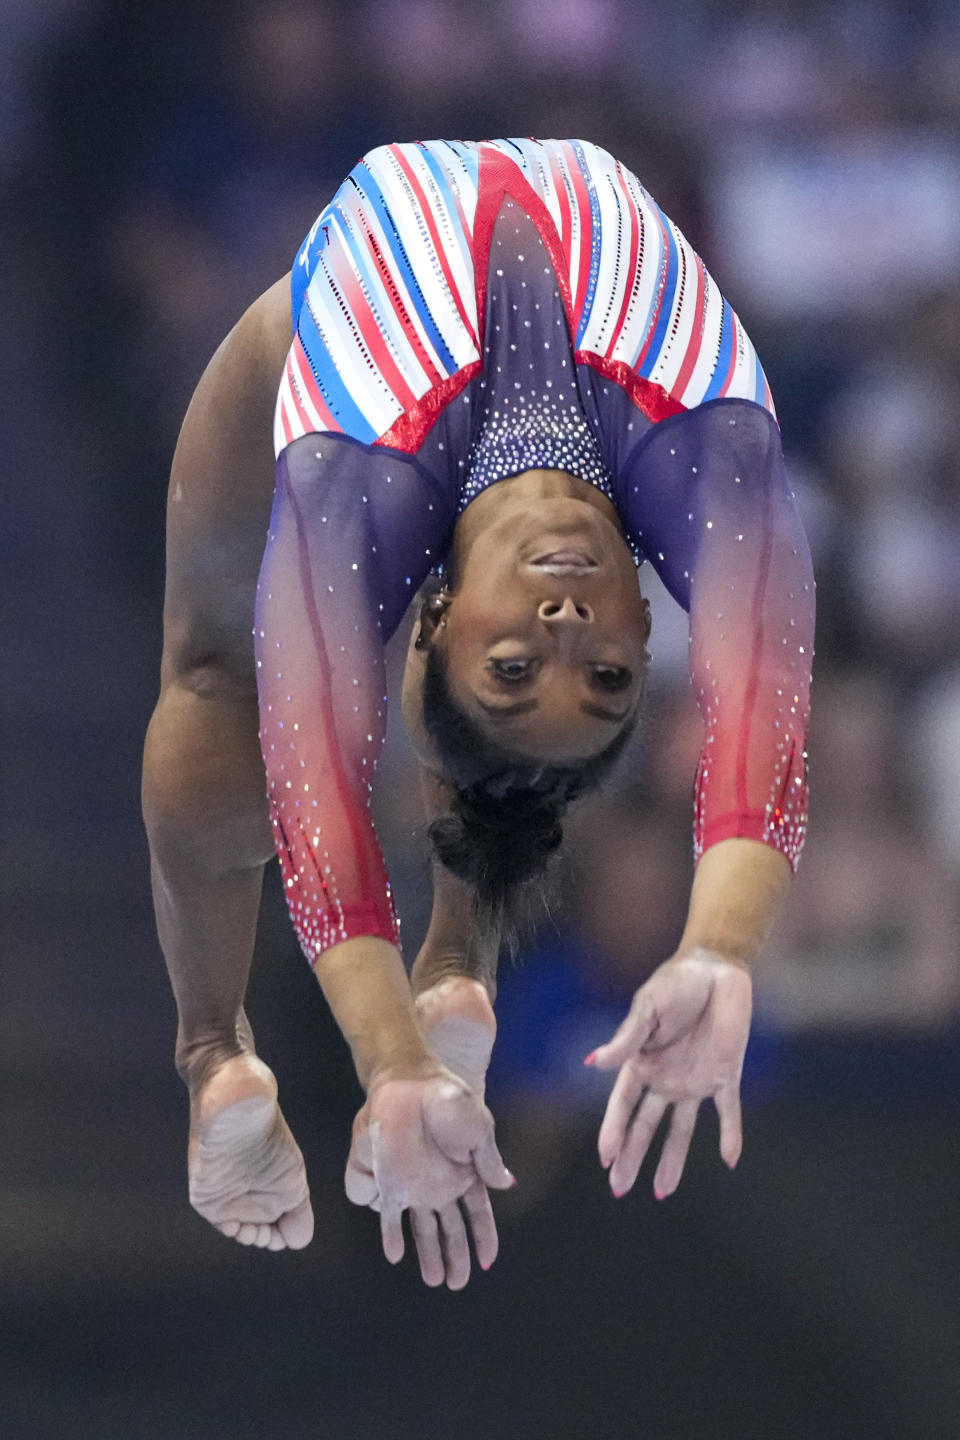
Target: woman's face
[{"x": 544, "y": 636}]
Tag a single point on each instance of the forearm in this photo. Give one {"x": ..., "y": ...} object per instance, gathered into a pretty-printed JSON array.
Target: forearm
[
  {"x": 366, "y": 986},
  {"x": 737, "y": 889}
]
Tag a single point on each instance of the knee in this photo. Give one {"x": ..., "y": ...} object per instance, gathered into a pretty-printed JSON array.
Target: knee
[
  {"x": 208, "y": 658},
  {"x": 217, "y": 678}
]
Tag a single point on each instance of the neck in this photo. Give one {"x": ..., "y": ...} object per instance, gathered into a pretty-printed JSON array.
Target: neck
[{"x": 518, "y": 493}]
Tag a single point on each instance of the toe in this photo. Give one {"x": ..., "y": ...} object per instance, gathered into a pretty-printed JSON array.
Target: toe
[{"x": 296, "y": 1227}]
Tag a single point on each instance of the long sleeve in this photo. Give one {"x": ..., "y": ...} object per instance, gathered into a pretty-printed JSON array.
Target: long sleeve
[
  {"x": 708, "y": 502},
  {"x": 347, "y": 548}
]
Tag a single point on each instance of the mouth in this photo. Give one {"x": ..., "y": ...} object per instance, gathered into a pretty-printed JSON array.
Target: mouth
[{"x": 565, "y": 562}]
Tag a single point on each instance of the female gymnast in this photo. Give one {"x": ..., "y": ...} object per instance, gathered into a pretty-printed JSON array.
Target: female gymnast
[{"x": 508, "y": 370}]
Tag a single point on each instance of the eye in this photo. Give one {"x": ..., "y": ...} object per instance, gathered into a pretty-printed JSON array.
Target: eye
[
  {"x": 612, "y": 679},
  {"x": 513, "y": 669}
]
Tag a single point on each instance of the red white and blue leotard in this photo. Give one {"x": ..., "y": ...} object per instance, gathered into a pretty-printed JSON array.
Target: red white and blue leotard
[{"x": 464, "y": 312}]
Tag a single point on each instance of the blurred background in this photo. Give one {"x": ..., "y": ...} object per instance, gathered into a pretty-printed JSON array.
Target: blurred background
[{"x": 159, "y": 166}]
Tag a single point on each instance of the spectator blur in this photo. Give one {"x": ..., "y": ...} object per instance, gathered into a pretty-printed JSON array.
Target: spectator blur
[
  {"x": 160, "y": 163},
  {"x": 811, "y": 155}
]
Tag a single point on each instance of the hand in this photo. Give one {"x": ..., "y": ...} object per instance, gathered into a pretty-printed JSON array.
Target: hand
[
  {"x": 682, "y": 1042},
  {"x": 426, "y": 1145}
]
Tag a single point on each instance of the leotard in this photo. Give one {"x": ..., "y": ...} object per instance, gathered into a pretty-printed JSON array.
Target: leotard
[{"x": 464, "y": 312}]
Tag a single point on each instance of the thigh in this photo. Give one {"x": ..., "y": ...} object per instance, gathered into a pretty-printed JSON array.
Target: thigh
[{"x": 218, "y": 507}]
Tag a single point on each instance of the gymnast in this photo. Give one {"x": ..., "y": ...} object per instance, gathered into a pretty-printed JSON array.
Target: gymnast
[{"x": 507, "y": 381}]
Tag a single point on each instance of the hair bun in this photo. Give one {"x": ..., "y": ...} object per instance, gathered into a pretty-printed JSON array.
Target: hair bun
[{"x": 496, "y": 843}]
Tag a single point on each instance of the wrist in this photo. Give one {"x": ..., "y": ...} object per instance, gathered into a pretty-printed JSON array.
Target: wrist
[
  {"x": 401, "y": 1065},
  {"x": 393, "y": 1049},
  {"x": 736, "y": 892},
  {"x": 366, "y": 987},
  {"x": 712, "y": 955}
]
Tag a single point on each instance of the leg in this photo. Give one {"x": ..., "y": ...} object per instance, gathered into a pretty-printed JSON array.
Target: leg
[
  {"x": 204, "y": 794},
  {"x": 454, "y": 977}
]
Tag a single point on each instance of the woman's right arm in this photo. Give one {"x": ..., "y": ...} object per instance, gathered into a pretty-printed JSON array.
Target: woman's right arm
[{"x": 714, "y": 507}]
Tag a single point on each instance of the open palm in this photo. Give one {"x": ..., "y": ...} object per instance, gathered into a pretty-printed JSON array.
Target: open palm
[
  {"x": 427, "y": 1146},
  {"x": 682, "y": 1042}
]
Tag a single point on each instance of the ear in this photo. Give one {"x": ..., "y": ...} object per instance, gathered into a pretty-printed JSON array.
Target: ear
[
  {"x": 411, "y": 698},
  {"x": 432, "y": 618},
  {"x": 646, "y": 622}
]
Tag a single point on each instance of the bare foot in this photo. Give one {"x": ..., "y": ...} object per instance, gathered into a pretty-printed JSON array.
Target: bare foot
[
  {"x": 247, "y": 1175},
  {"x": 460, "y": 1027}
]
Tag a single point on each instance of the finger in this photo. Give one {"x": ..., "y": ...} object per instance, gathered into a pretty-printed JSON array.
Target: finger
[
  {"x": 488, "y": 1163},
  {"x": 476, "y": 1202},
  {"x": 626, "y": 1167},
  {"x": 675, "y": 1147},
  {"x": 391, "y": 1233},
  {"x": 359, "y": 1183},
  {"x": 423, "y": 1224},
  {"x": 230, "y": 1228},
  {"x": 455, "y": 1247},
  {"x": 361, "y": 1144},
  {"x": 727, "y": 1102},
  {"x": 247, "y": 1234},
  {"x": 626, "y": 1092},
  {"x": 632, "y": 1035}
]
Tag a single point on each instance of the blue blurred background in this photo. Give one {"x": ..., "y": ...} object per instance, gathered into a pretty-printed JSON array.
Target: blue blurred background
[{"x": 159, "y": 165}]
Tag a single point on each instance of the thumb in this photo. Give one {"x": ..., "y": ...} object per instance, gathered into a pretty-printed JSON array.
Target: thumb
[
  {"x": 361, "y": 1185},
  {"x": 488, "y": 1163},
  {"x": 633, "y": 1034}
]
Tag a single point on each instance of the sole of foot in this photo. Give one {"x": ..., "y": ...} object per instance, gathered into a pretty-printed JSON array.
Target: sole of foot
[
  {"x": 247, "y": 1176},
  {"x": 460, "y": 1026}
]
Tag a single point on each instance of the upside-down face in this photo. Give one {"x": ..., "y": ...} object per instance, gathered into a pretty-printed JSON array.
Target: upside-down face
[{"x": 544, "y": 629}]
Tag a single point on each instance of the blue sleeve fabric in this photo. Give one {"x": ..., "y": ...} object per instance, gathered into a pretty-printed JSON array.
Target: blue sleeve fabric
[
  {"x": 706, "y": 498},
  {"x": 351, "y": 539}
]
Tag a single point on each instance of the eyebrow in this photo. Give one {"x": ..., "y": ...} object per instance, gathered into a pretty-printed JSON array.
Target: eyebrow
[
  {"x": 614, "y": 716},
  {"x": 504, "y": 712},
  {"x": 523, "y": 707}
]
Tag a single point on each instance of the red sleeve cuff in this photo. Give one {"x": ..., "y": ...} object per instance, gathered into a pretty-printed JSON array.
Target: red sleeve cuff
[
  {"x": 337, "y": 923},
  {"x": 776, "y": 828}
]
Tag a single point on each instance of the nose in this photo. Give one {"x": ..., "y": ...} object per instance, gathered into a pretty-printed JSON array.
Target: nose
[{"x": 567, "y": 613}]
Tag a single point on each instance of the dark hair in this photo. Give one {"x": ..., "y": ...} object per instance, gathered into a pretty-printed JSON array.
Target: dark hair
[{"x": 505, "y": 820}]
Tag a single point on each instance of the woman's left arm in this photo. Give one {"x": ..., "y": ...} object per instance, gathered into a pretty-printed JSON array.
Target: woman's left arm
[{"x": 424, "y": 1140}]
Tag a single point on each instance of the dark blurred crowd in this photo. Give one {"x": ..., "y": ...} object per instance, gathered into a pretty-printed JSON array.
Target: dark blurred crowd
[
  {"x": 160, "y": 162},
  {"x": 163, "y": 163}
]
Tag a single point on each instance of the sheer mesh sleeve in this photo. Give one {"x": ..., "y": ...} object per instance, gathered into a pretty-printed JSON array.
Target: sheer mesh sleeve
[
  {"x": 709, "y": 504},
  {"x": 336, "y": 578}
]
